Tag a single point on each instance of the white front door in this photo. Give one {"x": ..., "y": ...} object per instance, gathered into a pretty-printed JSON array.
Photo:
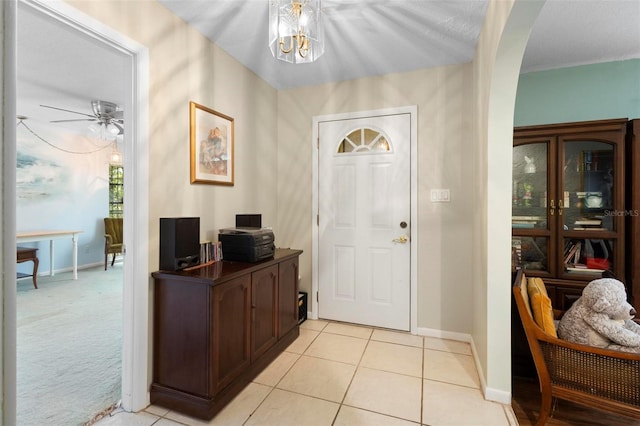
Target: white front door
[{"x": 364, "y": 206}]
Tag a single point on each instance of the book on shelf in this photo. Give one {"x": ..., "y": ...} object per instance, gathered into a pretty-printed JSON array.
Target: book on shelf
[
  {"x": 589, "y": 228},
  {"x": 516, "y": 252},
  {"x": 583, "y": 268},
  {"x": 588, "y": 222},
  {"x": 527, "y": 218},
  {"x": 523, "y": 224},
  {"x": 572, "y": 253}
]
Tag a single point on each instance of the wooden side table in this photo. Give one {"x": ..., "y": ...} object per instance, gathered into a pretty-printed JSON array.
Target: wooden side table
[{"x": 26, "y": 254}]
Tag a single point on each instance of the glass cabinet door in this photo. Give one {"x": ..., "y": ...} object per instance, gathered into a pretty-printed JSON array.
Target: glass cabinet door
[
  {"x": 530, "y": 186},
  {"x": 530, "y": 198},
  {"x": 585, "y": 202},
  {"x": 587, "y": 186}
]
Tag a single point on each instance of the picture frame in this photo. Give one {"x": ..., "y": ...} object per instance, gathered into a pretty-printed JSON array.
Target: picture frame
[{"x": 212, "y": 146}]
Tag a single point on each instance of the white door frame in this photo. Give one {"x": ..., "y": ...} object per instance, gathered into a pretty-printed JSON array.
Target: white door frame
[
  {"x": 135, "y": 347},
  {"x": 315, "y": 243}
]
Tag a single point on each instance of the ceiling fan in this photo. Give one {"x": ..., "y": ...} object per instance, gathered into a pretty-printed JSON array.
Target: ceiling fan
[{"x": 105, "y": 114}]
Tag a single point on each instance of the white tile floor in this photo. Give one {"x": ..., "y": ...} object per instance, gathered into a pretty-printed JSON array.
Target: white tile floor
[{"x": 340, "y": 374}]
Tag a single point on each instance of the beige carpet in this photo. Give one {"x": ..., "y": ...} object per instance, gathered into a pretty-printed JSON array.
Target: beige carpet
[{"x": 69, "y": 346}]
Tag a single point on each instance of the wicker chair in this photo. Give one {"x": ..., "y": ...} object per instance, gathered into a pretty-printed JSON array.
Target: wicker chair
[
  {"x": 593, "y": 377},
  {"x": 112, "y": 238}
]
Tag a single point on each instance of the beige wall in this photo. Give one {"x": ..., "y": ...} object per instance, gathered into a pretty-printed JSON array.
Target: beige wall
[
  {"x": 458, "y": 252},
  {"x": 184, "y": 66},
  {"x": 444, "y": 99}
]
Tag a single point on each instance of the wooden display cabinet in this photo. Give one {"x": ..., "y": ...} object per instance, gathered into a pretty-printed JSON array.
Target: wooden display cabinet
[{"x": 568, "y": 195}]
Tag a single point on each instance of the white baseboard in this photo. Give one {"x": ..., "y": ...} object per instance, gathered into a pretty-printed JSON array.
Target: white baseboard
[
  {"x": 490, "y": 394},
  {"x": 441, "y": 334},
  {"x": 45, "y": 272}
]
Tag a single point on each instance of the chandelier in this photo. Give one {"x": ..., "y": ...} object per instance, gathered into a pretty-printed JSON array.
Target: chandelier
[{"x": 296, "y": 34}]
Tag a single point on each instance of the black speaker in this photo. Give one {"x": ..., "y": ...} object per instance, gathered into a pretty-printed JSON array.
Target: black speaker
[{"x": 179, "y": 242}]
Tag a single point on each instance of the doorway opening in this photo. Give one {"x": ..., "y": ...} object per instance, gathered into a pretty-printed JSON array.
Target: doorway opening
[{"x": 133, "y": 350}]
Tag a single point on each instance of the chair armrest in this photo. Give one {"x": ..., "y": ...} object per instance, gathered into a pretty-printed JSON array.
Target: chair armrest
[
  {"x": 602, "y": 352},
  {"x": 108, "y": 239}
]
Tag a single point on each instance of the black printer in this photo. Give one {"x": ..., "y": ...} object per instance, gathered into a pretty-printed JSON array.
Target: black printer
[{"x": 247, "y": 245}]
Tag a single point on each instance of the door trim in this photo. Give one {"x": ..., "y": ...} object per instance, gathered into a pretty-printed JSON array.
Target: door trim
[
  {"x": 412, "y": 110},
  {"x": 135, "y": 333}
]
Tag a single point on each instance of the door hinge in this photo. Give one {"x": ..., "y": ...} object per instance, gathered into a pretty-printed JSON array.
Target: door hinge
[
  {"x": 318, "y": 297},
  {"x": 317, "y": 220}
]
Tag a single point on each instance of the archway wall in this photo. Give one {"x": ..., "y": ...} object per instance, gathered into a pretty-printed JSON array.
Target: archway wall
[{"x": 501, "y": 46}]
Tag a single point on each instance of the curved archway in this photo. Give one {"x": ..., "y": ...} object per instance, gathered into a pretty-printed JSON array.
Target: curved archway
[{"x": 504, "y": 38}]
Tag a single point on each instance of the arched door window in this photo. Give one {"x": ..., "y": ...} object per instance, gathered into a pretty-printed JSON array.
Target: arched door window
[{"x": 364, "y": 140}]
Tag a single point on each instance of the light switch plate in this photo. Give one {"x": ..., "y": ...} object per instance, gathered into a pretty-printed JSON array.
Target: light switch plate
[{"x": 440, "y": 196}]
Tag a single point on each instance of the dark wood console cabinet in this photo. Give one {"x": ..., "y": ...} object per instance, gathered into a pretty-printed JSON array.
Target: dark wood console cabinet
[{"x": 217, "y": 327}]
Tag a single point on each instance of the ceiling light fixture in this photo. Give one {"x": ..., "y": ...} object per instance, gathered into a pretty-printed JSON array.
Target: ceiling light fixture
[
  {"x": 105, "y": 130},
  {"x": 296, "y": 33},
  {"x": 116, "y": 156}
]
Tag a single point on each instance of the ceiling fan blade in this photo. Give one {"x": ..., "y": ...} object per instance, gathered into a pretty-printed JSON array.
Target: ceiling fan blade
[
  {"x": 67, "y": 110},
  {"x": 118, "y": 115},
  {"x": 79, "y": 119}
]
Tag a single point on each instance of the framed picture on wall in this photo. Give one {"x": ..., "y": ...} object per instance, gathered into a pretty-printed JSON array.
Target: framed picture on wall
[{"x": 212, "y": 155}]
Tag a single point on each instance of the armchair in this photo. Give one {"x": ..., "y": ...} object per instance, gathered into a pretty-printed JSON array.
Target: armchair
[
  {"x": 598, "y": 378},
  {"x": 112, "y": 238}
]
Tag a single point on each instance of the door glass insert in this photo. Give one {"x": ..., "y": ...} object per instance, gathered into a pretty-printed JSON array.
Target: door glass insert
[
  {"x": 364, "y": 140},
  {"x": 529, "y": 253},
  {"x": 529, "y": 187},
  {"x": 588, "y": 191}
]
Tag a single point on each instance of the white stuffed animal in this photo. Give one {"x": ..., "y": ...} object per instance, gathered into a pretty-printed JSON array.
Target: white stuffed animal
[{"x": 602, "y": 317}]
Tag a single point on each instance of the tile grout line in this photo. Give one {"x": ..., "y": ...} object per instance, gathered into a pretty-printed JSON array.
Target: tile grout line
[
  {"x": 351, "y": 381},
  {"x": 282, "y": 378}
]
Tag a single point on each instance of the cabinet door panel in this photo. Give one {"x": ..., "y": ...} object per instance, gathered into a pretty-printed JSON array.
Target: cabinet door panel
[
  {"x": 588, "y": 189},
  {"x": 264, "y": 307},
  {"x": 231, "y": 327},
  {"x": 180, "y": 342},
  {"x": 530, "y": 190},
  {"x": 287, "y": 296},
  {"x": 533, "y": 207}
]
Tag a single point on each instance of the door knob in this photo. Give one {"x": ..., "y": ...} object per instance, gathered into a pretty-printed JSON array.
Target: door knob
[{"x": 402, "y": 239}]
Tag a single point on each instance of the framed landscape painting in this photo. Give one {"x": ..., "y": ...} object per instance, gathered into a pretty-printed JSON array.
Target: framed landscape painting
[{"x": 211, "y": 137}]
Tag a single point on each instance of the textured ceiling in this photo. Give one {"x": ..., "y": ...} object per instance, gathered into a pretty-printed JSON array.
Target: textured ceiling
[
  {"x": 363, "y": 37},
  {"x": 376, "y": 37},
  {"x": 60, "y": 67}
]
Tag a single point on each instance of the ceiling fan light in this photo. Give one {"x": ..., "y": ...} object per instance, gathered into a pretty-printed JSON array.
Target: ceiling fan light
[
  {"x": 113, "y": 129},
  {"x": 115, "y": 157},
  {"x": 95, "y": 127}
]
